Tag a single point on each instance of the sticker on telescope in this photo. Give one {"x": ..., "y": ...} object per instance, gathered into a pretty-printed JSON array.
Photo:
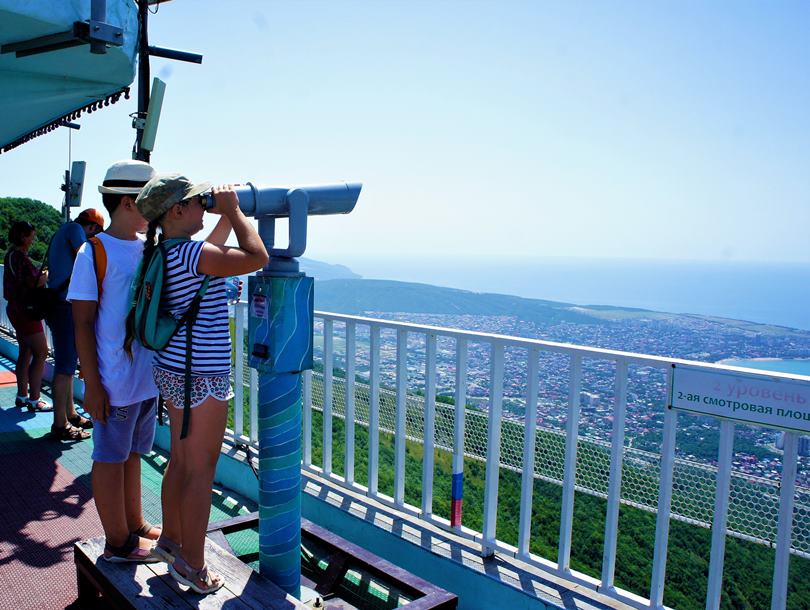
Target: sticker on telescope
[{"x": 258, "y": 306}]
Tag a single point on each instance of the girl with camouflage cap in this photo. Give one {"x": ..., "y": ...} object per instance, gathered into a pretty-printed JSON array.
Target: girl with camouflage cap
[{"x": 172, "y": 203}]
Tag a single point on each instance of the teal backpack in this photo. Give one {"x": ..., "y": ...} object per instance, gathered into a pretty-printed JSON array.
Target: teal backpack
[{"x": 154, "y": 326}]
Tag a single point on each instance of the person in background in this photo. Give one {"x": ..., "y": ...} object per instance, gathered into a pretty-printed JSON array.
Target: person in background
[
  {"x": 119, "y": 394},
  {"x": 19, "y": 276},
  {"x": 65, "y": 243}
]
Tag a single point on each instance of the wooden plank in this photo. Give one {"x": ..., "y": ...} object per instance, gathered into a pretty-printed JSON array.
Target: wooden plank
[
  {"x": 224, "y": 597},
  {"x": 250, "y": 587},
  {"x": 123, "y": 585},
  {"x": 338, "y": 564},
  {"x": 235, "y": 524},
  {"x": 376, "y": 566},
  {"x": 219, "y": 538},
  {"x": 151, "y": 587}
]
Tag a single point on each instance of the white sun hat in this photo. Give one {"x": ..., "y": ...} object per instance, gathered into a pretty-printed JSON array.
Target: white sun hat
[{"x": 126, "y": 177}]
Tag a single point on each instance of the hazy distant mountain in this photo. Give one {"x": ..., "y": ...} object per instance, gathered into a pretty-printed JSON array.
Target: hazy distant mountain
[
  {"x": 324, "y": 271},
  {"x": 357, "y": 296}
]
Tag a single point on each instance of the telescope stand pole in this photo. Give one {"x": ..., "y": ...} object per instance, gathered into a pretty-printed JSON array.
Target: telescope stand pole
[
  {"x": 280, "y": 480},
  {"x": 280, "y": 330}
]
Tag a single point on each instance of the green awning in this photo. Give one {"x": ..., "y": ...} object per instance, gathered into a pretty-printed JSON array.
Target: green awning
[{"x": 38, "y": 91}]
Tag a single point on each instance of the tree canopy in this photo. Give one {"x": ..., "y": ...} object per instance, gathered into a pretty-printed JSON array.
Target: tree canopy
[{"x": 46, "y": 221}]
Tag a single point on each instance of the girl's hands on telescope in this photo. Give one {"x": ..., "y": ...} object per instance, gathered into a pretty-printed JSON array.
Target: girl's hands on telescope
[{"x": 226, "y": 201}]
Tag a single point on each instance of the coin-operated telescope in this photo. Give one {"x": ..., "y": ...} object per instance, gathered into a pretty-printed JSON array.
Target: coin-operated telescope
[
  {"x": 266, "y": 203},
  {"x": 280, "y": 328}
]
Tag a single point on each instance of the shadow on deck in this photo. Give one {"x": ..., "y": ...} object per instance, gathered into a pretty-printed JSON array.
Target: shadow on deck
[{"x": 47, "y": 504}]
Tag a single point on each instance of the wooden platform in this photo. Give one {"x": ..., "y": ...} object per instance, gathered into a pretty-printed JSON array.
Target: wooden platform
[{"x": 150, "y": 586}]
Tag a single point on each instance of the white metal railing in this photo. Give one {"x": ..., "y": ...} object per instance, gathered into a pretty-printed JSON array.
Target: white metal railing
[
  {"x": 405, "y": 407},
  {"x": 382, "y": 390}
]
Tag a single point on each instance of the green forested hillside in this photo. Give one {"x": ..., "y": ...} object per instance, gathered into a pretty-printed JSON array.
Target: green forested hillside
[
  {"x": 748, "y": 567},
  {"x": 44, "y": 218}
]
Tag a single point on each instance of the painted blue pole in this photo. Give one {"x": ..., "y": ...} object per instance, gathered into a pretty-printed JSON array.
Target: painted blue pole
[
  {"x": 280, "y": 323},
  {"x": 280, "y": 480}
]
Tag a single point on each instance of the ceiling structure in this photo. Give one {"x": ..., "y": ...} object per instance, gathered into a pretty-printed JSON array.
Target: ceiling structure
[{"x": 59, "y": 58}]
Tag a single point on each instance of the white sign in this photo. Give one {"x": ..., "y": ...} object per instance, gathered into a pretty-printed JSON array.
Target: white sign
[{"x": 771, "y": 402}]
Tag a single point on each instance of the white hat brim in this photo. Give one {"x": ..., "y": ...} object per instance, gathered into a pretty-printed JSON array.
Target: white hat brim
[{"x": 120, "y": 190}]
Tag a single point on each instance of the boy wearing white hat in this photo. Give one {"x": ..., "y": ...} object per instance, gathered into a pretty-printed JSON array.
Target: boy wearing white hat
[{"x": 120, "y": 393}]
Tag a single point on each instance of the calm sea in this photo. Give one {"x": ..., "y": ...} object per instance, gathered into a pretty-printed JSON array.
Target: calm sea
[
  {"x": 797, "y": 367},
  {"x": 759, "y": 292}
]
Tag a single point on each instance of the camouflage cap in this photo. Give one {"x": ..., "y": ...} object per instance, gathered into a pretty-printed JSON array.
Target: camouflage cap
[{"x": 165, "y": 190}]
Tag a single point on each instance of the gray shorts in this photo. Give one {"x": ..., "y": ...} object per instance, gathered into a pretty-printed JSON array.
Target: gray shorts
[{"x": 129, "y": 429}]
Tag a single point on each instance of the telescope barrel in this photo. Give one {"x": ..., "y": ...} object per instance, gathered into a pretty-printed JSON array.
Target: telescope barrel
[
  {"x": 266, "y": 203},
  {"x": 272, "y": 202}
]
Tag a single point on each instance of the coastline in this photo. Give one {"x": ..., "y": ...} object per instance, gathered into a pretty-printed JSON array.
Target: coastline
[
  {"x": 796, "y": 366},
  {"x": 769, "y": 359}
]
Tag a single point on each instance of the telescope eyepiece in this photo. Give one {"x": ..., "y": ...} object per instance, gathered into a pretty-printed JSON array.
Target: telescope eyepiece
[{"x": 207, "y": 200}]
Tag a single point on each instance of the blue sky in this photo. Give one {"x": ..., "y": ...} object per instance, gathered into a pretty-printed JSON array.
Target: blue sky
[{"x": 487, "y": 129}]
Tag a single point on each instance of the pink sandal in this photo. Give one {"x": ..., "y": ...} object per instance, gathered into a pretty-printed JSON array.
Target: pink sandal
[
  {"x": 168, "y": 550},
  {"x": 201, "y": 581},
  {"x": 129, "y": 552}
]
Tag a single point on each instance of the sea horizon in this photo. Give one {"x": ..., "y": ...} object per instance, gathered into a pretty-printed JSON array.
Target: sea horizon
[{"x": 765, "y": 292}]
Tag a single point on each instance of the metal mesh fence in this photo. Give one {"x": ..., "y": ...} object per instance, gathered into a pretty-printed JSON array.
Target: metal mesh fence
[{"x": 754, "y": 501}]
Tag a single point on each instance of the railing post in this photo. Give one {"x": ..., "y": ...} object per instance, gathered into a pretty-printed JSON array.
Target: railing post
[
  {"x": 570, "y": 474},
  {"x": 615, "y": 485},
  {"x": 785, "y": 526},
  {"x": 724, "y": 455},
  {"x": 307, "y": 418},
  {"x": 254, "y": 406},
  {"x": 401, "y": 417},
  {"x": 529, "y": 441},
  {"x": 374, "y": 410},
  {"x": 328, "y": 359},
  {"x": 664, "y": 502},
  {"x": 351, "y": 349},
  {"x": 493, "y": 468},
  {"x": 430, "y": 424},
  {"x": 457, "y": 488},
  {"x": 239, "y": 369}
]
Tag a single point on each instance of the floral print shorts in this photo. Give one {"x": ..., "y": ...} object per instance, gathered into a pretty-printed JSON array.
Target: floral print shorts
[{"x": 172, "y": 388}]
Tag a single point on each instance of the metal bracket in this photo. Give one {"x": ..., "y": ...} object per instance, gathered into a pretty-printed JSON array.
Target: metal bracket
[{"x": 81, "y": 33}]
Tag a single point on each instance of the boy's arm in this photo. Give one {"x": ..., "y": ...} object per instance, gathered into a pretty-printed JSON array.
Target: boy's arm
[{"x": 96, "y": 401}]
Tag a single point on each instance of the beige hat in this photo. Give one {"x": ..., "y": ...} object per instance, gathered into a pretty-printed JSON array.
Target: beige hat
[
  {"x": 165, "y": 190},
  {"x": 126, "y": 177}
]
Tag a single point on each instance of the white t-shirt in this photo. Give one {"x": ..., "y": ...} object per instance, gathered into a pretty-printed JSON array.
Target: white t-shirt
[{"x": 126, "y": 382}]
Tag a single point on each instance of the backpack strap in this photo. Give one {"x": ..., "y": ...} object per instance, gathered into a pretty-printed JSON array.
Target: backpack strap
[
  {"x": 99, "y": 262},
  {"x": 189, "y": 318},
  {"x": 44, "y": 260}
]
